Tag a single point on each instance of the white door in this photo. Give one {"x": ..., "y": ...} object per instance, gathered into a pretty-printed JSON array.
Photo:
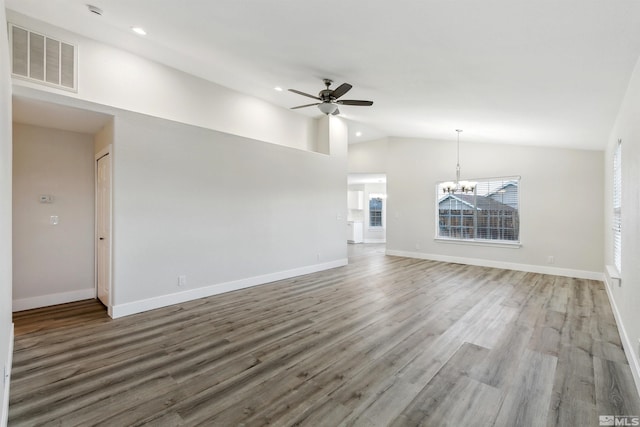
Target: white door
[{"x": 103, "y": 231}]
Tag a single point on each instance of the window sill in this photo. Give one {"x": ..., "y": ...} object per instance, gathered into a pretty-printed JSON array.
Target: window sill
[
  {"x": 494, "y": 244},
  {"x": 613, "y": 272}
]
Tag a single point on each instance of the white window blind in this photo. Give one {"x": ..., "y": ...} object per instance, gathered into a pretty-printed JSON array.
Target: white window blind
[
  {"x": 617, "y": 206},
  {"x": 490, "y": 213},
  {"x": 375, "y": 210}
]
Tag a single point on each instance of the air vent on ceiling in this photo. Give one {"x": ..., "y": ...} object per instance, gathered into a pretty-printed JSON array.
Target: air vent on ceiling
[{"x": 42, "y": 59}]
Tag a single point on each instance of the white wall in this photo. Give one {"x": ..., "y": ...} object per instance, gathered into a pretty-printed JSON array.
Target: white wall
[
  {"x": 561, "y": 195},
  {"x": 6, "y": 326},
  {"x": 196, "y": 190},
  {"x": 369, "y": 157},
  {"x": 625, "y": 295},
  {"x": 116, "y": 78},
  {"x": 220, "y": 209},
  {"x": 52, "y": 264}
]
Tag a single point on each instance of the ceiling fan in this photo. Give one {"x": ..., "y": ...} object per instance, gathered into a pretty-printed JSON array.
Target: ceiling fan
[{"x": 329, "y": 98}]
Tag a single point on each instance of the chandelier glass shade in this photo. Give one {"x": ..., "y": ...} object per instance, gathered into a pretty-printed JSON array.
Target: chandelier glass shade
[{"x": 458, "y": 186}]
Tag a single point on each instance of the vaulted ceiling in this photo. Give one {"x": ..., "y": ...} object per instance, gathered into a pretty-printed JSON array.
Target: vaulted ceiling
[{"x": 543, "y": 72}]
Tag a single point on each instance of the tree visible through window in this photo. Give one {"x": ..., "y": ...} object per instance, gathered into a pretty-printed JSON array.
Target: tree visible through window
[
  {"x": 375, "y": 212},
  {"x": 491, "y": 212}
]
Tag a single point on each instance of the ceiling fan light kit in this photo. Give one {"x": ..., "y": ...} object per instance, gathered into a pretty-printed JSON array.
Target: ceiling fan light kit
[
  {"x": 329, "y": 98},
  {"x": 327, "y": 107}
]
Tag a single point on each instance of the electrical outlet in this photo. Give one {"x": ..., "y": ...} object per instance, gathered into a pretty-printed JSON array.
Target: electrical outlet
[
  {"x": 417, "y": 245},
  {"x": 182, "y": 281},
  {"x": 551, "y": 259}
]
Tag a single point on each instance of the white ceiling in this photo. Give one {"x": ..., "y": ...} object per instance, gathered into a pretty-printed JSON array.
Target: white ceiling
[{"x": 543, "y": 72}]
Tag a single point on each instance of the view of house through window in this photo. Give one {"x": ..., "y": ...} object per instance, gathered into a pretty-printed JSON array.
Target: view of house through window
[
  {"x": 375, "y": 211},
  {"x": 491, "y": 212}
]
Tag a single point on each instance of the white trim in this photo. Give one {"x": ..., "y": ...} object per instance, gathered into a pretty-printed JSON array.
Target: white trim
[
  {"x": 627, "y": 343},
  {"x": 4, "y": 411},
  {"x": 100, "y": 154},
  {"x": 613, "y": 272},
  {"x": 107, "y": 151},
  {"x": 53, "y": 299},
  {"x": 375, "y": 241},
  {"x": 126, "y": 309},
  {"x": 530, "y": 268},
  {"x": 478, "y": 242}
]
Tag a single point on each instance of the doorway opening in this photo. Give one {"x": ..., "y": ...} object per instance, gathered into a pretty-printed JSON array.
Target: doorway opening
[{"x": 366, "y": 212}]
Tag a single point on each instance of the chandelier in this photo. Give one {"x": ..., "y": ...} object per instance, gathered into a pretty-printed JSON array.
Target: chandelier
[{"x": 458, "y": 186}]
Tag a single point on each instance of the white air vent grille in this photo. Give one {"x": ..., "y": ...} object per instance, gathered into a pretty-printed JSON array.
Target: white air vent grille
[{"x": 43, "y": 59}]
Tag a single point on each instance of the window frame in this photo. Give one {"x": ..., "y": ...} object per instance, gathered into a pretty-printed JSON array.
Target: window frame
[
  {"x": 382, "y": 199},
  {"x": 616, "y": 219},
  {"x": 475, "y": 241}
]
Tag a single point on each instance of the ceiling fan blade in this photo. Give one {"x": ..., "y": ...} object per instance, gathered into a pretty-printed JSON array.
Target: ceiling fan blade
[
  {"x": 307, "y": 105},
  {"x": 335, "y": 113},
  {"x": 304, "y": 94},
  {"x": 354, "y": 102},
  {"x": 341, "y": 90}
]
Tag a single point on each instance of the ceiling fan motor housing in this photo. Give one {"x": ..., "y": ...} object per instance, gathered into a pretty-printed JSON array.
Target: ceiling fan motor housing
[{"x": 325, "y": 95}]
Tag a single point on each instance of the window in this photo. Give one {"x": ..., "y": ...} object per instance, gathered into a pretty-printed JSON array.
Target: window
[
  {"x": 375, "y": 210},
  {"x": 617, "y": 205},
  {"x": 490, "y": 213}
]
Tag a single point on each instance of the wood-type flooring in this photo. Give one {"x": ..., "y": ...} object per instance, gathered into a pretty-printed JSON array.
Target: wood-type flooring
[{"x": 384, "y": 341}]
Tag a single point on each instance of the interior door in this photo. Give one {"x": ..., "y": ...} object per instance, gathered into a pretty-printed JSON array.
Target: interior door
[{"x": 103, "y": 228}]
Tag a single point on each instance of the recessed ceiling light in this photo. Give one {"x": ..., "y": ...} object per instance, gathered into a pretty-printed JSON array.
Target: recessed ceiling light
[
  {"x": 277, "y": 88},
  {"x": 358, "y": 133},
  {"x": 139, "y": 30},
  {"x": 94, "y": 9}
]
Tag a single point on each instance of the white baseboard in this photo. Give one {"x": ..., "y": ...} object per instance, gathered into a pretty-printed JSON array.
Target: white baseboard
[
  {"x": 375, "y": 241},
  {"x": 53, "y": 299},
  {"x": 4, "y": 411},
  {"x": 134, "y": 307},
  {"x": 627, "y": 344},
  {"x": 566, "y": 272}
]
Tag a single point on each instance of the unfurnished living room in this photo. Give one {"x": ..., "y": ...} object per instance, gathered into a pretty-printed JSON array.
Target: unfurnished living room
[{"x": 337, "y": 213}]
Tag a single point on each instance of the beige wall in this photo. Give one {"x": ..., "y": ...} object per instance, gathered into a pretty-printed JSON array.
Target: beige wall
[
  {"x": 104, "y": 137},
  {"x": 52, "y": 263}
]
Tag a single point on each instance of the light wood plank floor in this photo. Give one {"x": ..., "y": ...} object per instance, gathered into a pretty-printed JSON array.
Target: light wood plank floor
[{"x": 384, "y": 341}]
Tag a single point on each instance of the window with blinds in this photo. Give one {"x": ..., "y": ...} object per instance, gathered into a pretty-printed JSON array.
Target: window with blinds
[
  {"x": 617, "y": 206},
  {"x": 375, "y": 211},
  {"x": 490, "y": 213}
]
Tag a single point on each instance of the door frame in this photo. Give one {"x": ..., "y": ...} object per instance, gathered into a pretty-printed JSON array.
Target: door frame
[{"x": 108, "y": 150}]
